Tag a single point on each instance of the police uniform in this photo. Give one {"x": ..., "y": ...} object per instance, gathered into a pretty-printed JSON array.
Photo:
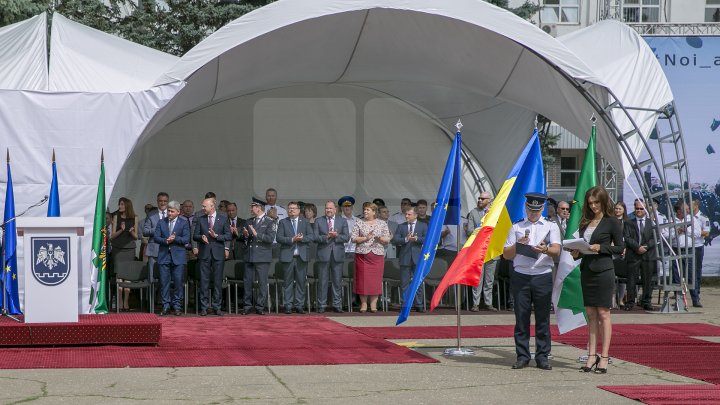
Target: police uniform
[{"x": 531, "y": 283}]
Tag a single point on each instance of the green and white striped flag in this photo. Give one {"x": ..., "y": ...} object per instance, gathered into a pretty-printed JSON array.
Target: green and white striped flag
[
  {"x": 98, "y": 293},
  {"x": 567, "y": 291}
]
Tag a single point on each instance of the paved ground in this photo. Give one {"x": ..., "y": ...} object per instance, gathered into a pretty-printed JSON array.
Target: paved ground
[{"x": 484, "y": 378}]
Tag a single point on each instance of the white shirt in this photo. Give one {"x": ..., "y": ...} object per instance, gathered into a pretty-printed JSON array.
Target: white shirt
[
  {"x": 398, "y": 218},
  {"x": 704, "y": 227},
  {"x": 349, "y": 246},
  {"x": 281, "y": 212},
  {"x": 542, "y": 230},
  {"x": 450, "y": 241},
  {"x": 686, "y": 239}
]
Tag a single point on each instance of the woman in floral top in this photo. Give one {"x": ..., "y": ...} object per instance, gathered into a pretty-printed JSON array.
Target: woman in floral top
[{"x": 370, "y": 235}]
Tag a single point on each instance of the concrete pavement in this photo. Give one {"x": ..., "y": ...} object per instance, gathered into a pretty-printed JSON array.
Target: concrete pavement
[{"x": 484, "y": 378}]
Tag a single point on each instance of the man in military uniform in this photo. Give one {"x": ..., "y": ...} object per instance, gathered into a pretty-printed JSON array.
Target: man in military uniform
[
  {"x": 260, "y": 232},
  {"x": 531, "y": 245}
]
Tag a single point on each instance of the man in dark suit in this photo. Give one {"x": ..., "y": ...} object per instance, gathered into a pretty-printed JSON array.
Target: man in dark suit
[
  {"x": 237, "y": 247},
  {"x": 151, "y": 250},
  {"x": 260, "y": 231},
  {"x": 409, "y": 239},
  {"x": 332, "y": 234},
  {"x": 641, "y": 256},
  {"x": 212, "y": 230},
  {"x": 294, "y": 233},
  {"x": 171, "y": 235}
]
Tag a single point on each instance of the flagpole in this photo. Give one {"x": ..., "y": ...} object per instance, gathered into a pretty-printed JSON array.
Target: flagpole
[
  {"x": 459, "y": 350},
  {"x": 5, "y": 311}
]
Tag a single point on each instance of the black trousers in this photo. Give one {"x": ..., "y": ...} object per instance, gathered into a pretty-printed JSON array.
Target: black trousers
[
  {"x": 532, "y": 292},
  {"x": 647, "y": 269}
]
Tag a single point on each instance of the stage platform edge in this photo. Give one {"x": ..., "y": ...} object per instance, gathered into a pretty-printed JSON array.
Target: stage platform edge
[{"x": 110, "y": 329}]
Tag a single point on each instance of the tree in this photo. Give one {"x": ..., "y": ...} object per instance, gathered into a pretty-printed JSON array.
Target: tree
[
  {"x": 525, "y": 11},
  {"x": 12, "y": 11}
]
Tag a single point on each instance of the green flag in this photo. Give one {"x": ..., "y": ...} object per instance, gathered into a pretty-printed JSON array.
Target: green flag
[
  {"x": 567, "y": 291},
  {"x": 98, "y": 293}
]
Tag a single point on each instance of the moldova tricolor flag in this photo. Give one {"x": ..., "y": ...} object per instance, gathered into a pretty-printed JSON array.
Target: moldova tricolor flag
[{"x": 487, "y": 241}]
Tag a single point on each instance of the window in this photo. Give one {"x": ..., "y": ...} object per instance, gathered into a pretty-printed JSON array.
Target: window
[
  {"x": 560, "y": 11},
  {"x": 712, "y": 10},
  {"x": 641, "y": 11},
  {"x": 569, "y": 169}
]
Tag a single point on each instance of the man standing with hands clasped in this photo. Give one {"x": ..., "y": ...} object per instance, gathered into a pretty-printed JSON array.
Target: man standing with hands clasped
[
  {"x": 531, "y": 245},
  {"x": 171, "y": 235}
]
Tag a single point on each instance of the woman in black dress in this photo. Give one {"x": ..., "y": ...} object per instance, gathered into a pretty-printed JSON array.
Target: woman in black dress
[
  {"x": 621, "y": 267},
  {"x": 604, "y": 234},
  {"x": 123, "y": 237}
]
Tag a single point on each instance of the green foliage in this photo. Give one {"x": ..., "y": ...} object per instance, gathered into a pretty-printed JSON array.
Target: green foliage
[
  {"x": 12, "y": 11},
  {"x": 525, "y": 11}
]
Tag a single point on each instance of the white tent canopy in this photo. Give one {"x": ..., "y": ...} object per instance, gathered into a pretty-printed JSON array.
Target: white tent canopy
[{"x": 317, "y": 98}]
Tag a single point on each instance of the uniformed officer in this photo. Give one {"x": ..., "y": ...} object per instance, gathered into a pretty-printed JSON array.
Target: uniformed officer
[
  {"x": 260, "y": 232},
  {"x": 531, "y": 245}
]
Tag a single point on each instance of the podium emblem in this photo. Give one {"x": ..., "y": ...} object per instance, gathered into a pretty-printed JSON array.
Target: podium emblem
[{"x": 51, "y": 263}]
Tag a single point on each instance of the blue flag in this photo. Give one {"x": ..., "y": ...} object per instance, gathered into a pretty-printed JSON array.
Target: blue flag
[
  {"x": 10, "y": 281},
  {"x": 447, "y": 206},
  {"x": 54, "y": 202}
]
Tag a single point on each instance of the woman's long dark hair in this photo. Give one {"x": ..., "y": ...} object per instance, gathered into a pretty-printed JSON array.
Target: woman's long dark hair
[{"x": 600, "y": 194}]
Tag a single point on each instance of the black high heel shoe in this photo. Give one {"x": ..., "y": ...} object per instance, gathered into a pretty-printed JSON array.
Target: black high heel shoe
[
  {"x": 599, "y": 370},
  {"x": 586, "y": 369}
]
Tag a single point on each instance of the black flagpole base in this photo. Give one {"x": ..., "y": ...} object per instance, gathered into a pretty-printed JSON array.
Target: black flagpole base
[{"x": 4, "y": 312}]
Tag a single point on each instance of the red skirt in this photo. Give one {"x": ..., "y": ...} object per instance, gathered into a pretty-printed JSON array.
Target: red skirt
[{"x": 368, "y": 274}]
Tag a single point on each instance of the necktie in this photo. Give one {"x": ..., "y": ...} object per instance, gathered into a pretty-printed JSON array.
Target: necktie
[
  {"x": 412, "y": 228},
  {"x": 294, "y": 224},
  {"x": 171, "y": 225},
  {"x": 162, "y": 213},
  {"x": 211, "y": 221},
  {"x": 233, "y": 222},
  {"x": 330, "y": 225},
  {"x": 642, "y": 225}
]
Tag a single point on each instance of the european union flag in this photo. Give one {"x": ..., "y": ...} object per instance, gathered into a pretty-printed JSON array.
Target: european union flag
[
  {"x": 447, "y": 211},
  {"x": 54, "y": 202},
  {"x": 10, "y": 281}
]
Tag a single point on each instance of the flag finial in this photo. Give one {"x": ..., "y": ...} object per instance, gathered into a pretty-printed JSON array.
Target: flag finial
[
  {"x": 102, "y": 155},
  {"x": 8, "y": 155},
  {"x": 459, "y": 125},
  {"x": 593, "y": 118},
  {"x": 53, "y": 155}
]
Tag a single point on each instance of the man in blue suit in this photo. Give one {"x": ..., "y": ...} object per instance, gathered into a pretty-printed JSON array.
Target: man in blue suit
[
  {"x": 409, "y": 238},
  {"x": 293, "y": 234},
  {"x": 171, "y": 236},
  {"x": 332, "y": 234},
  {"x": 212, "y": 230}
]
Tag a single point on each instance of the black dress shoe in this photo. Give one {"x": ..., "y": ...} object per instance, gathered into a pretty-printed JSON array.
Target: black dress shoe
[
  {"x": 288, "y": 311},
  {"x": 178, "y": 312},
  {"x": 543, "y": 365},
  {"x": 165, "y": 312},
  {"x": 628, "y": 307},
  {"x": 300, "y": 311},
  {"x": 520, "y": 364},
  {"x": 338, "y": 310},
  {"x": 203, "y": 313},
  {"x": 247, "y": 311},
  {"x": 321, "y": 310},
  {"x": 218, "y": 312},
  {"x": 260, "y": 312},
  {"x": 697, "y": 305},
  {"x": 648, "y": 307}
]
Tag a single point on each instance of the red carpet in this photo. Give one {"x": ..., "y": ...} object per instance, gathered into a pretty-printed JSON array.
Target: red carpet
[
  {"x": 668, "y": 347},
  {"x": 668, "y": 394},
  {"x": 227, "y": 341}
]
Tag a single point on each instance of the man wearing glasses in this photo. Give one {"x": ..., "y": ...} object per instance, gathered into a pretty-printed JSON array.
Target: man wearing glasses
[
  {"x": 563, "y": 214},
  {"x": 485, "y": 288}
]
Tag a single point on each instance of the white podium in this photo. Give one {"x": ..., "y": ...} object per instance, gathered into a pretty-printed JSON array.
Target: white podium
[{"x": 51, "y": 267}]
